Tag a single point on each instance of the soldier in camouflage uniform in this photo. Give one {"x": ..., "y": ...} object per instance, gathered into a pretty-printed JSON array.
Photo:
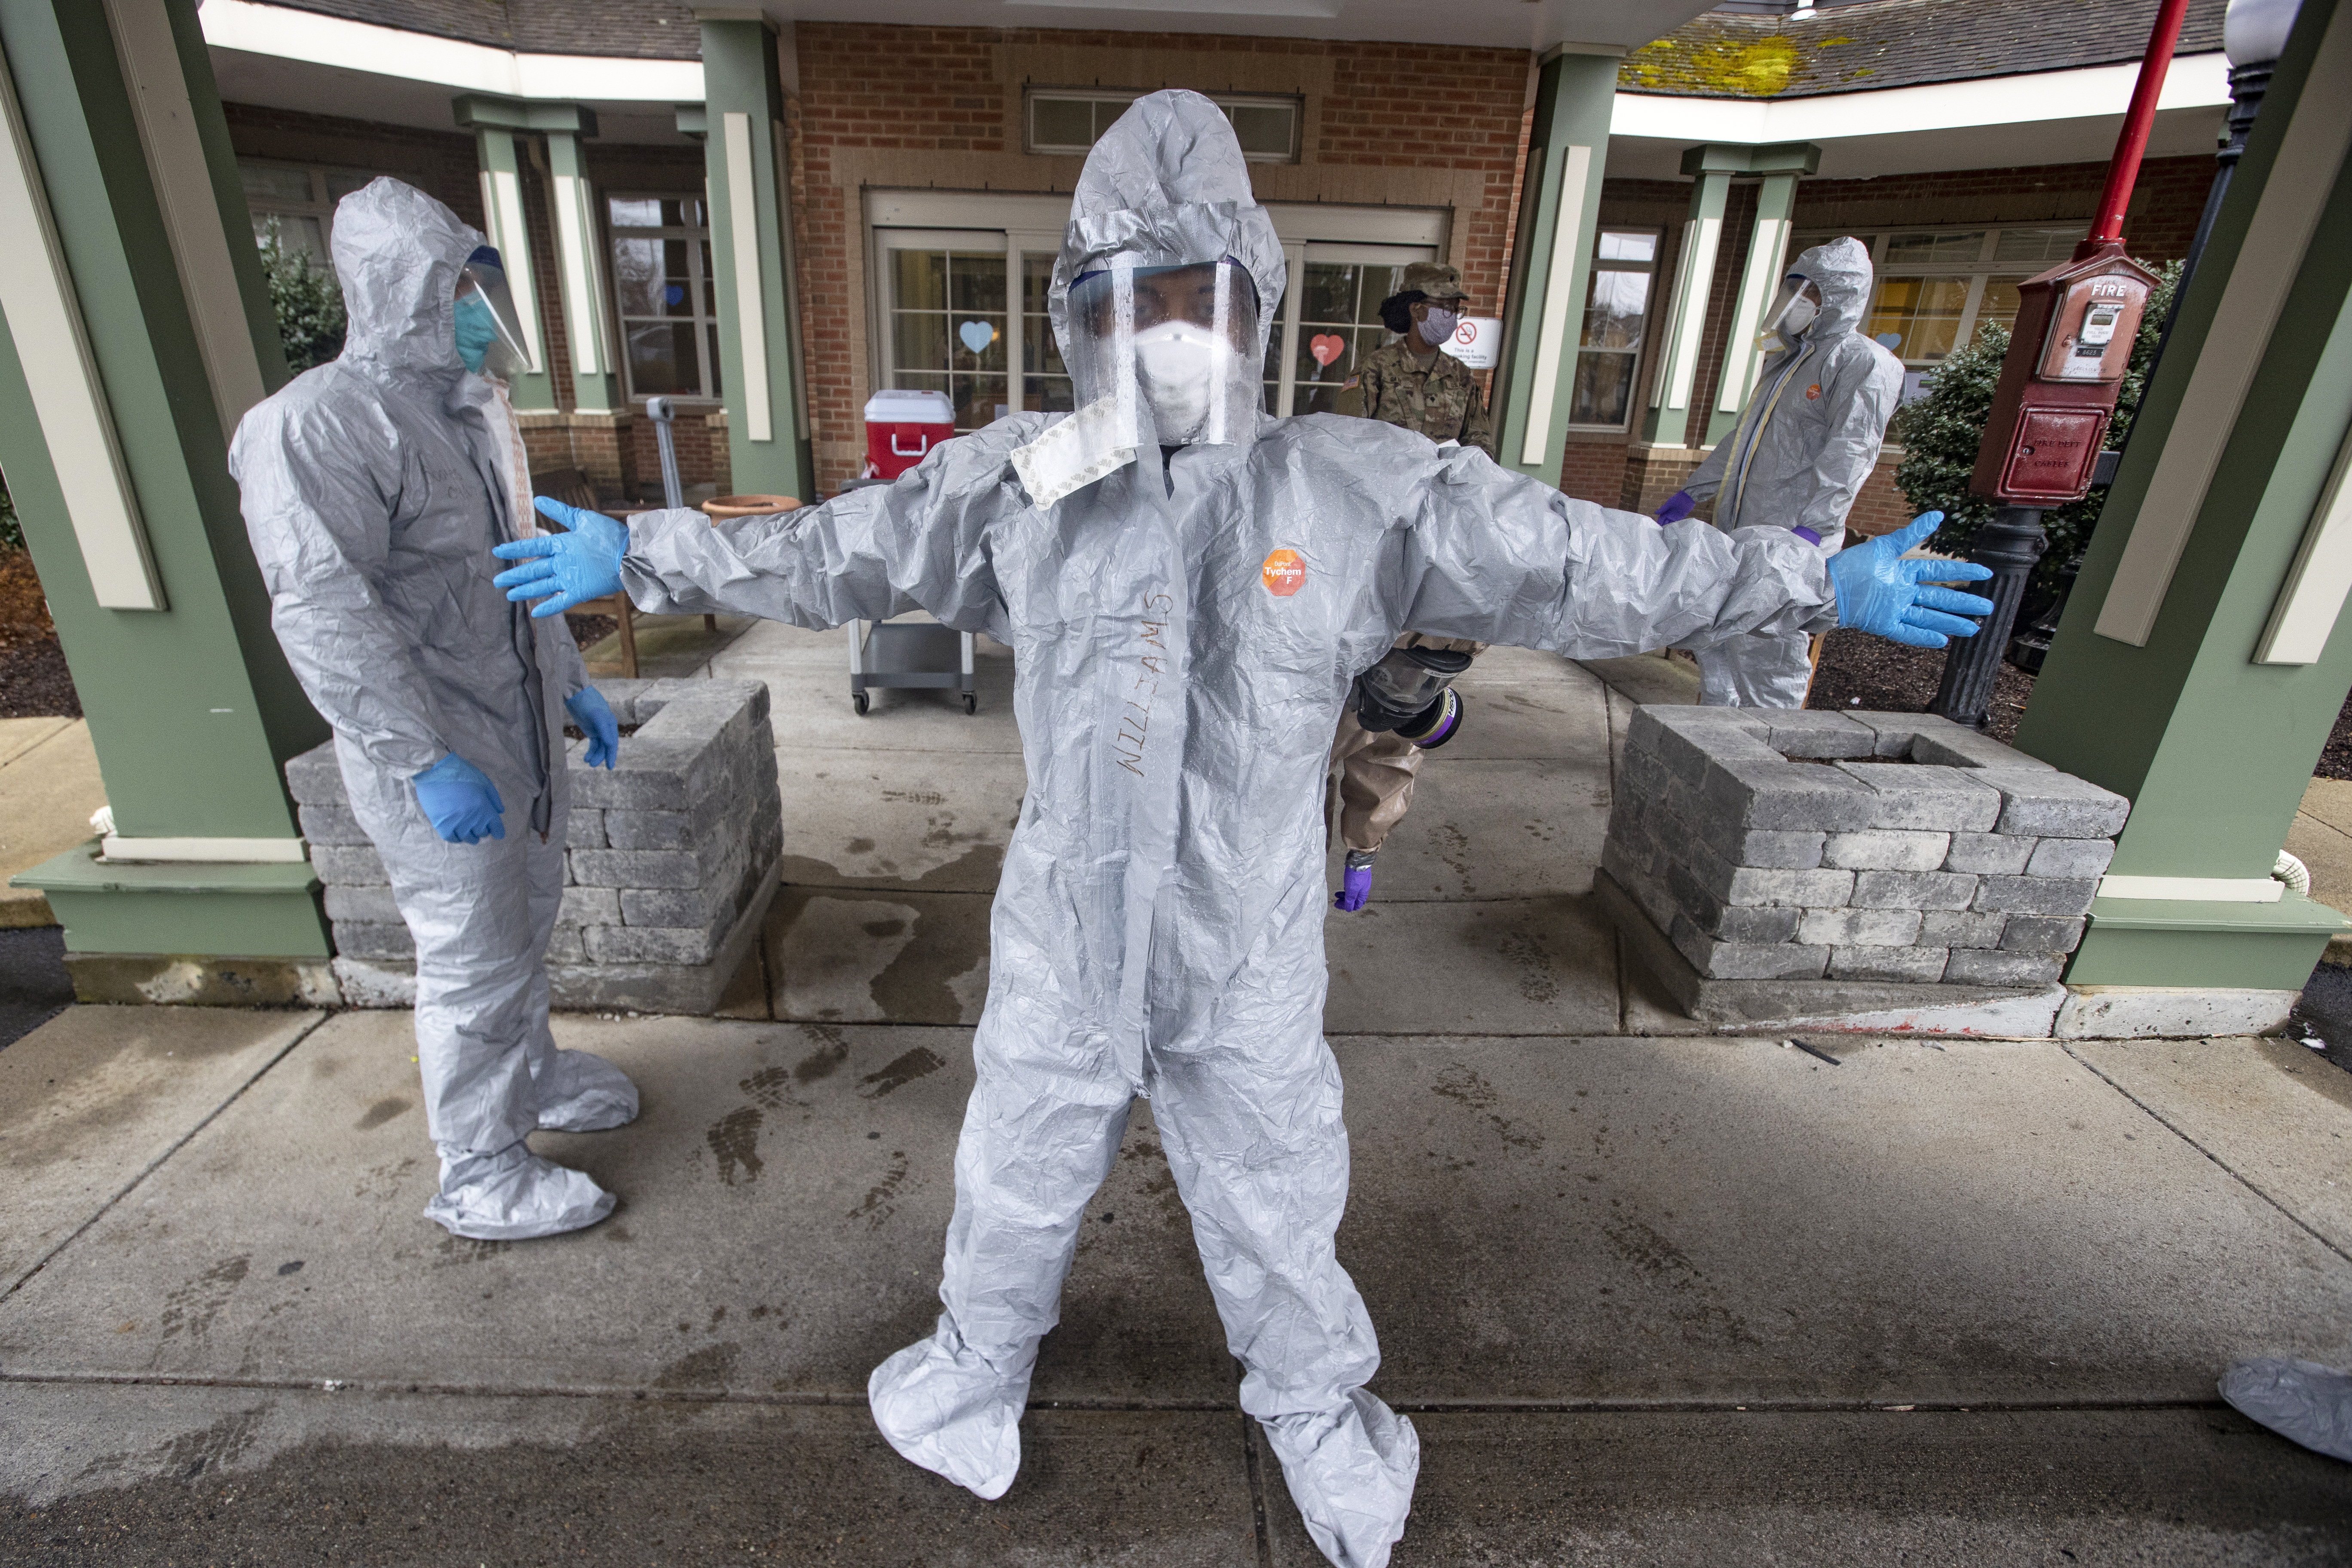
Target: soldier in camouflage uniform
[{"x": 1416, "y": 384}]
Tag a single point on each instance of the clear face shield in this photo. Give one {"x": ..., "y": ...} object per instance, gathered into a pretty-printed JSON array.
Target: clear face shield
[
  {"x": 1173, "y": 350},
  {"x": 1793, "y": 309},
  {"x": 489, "y": 332}
]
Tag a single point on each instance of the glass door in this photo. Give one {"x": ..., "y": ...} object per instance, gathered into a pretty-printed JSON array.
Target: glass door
[
  {"x": 944, "y": 326},
  {"x": 1329, "y": 319}
]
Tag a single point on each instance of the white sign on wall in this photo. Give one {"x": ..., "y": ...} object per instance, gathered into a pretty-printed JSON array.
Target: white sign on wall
[{"x": 1477, "y": 342}]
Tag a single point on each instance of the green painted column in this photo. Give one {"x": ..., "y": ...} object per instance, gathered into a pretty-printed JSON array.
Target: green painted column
[
  {"x": 2204, "y": 654},
  {"x": 1781, "y": 164},
  {"x": 751, "y": 259},
  {"x": 1551, "y": 259},
  {"x": 1667, "y": 423},
  {"x": 138, "y": 332},
  {"x": 580, "y": 266},
  {"x": 495, "y": 123}
]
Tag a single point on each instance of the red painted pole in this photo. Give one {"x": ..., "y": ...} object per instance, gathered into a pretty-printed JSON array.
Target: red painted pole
[{"x": 2123, "y": 169}]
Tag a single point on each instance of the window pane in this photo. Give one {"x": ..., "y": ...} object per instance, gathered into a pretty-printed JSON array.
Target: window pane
[
  {"x": 1923, "y": 312},
  {"x": 977, "y": 399},
  {"x": 922, "y": 277},
  {"x": 637, "y": 276},
  {"x": 681, "y": 212},
  {"x": 1612, "y": 316},
  {"x": 661, "y": 358},
  {"x": 266, "y": 183},
  {"x": 1629, "y": 246},
  {"x": 1999, "y": 302},
  {"x": 676, "y": 298},
  {"x": 974, "y": 283},
  {"x": 1263, "y": 127},
  {"x": 988, "y": 331},
  {"x": 1965, "y": 247},
  {"x": 2036, "y": 244},
  {"x": 636, "y": 212},
  {"x": 1603, "y": 391},
  {"x": 1380, "y": 283},
  {"x": 1050, "y": 394},
  {"x": 920, "y": 340},
  {"x": 1331, "y": 291},
  {"x": 1061, "y": 122},
  {"x": 295, "y": 232}
]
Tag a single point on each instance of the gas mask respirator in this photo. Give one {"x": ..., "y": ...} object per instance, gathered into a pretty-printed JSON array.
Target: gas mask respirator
[{"x": 1411, "y": 691}]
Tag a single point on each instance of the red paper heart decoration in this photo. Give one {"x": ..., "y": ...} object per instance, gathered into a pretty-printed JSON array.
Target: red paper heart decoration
[{"x": 1327, "y": 347}]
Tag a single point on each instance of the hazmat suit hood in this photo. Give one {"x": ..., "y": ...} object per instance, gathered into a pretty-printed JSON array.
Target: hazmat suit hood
[
  {"x": 397, "y": 255},
  {"x": 1841, "y": 271},
  {"x": 1167, "y": 186}
]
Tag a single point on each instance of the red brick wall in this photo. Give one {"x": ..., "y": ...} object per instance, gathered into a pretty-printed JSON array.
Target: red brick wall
[
  {"x": 1593, "y": 471},
  {"x": 951, "y": 89},
  {"x": 441, "y": 164}
]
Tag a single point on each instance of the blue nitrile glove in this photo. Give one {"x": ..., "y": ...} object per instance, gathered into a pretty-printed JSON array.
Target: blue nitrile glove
[
  {"x": 477, "y": 331},
  {"x": 595, "y": 716},
  {"x": 573, "y": 567},
  {"x": 1677, "y": 507},
  {"x": 1881, "y": 592},
  {"x": 460, "y": 802}
]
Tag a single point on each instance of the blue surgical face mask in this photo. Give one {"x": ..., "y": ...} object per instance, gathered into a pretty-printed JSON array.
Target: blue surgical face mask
[{"x": 478, "y": 329}]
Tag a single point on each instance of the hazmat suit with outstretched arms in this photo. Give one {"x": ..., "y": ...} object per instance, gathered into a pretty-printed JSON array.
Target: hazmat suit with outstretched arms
[
  {"x": 1799, "y": 454},
  {"x": 1190, "y": 588},
  {"x": 372, "y": 488}
]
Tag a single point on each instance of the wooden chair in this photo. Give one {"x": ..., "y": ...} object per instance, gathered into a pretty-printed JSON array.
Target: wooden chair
[{"x": 570, "y": 487}]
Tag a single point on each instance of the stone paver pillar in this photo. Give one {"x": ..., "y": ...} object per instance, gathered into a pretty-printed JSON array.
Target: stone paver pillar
[
  {"x": 2204, "y": 654},
  {"x": 1551, "y": 259}
]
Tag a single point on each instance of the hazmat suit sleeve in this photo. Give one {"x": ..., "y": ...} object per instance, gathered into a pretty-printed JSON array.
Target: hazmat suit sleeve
[
  {"x": 1496, "y": 556},
  {"x": 317, "y": 499},
  {"x": 917, "y": 543},
  {"x": 1861, "y": 395}
]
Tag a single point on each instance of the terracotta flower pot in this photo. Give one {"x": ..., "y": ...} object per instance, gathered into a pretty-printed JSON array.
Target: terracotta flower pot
[{"x": 718, "y": 508}]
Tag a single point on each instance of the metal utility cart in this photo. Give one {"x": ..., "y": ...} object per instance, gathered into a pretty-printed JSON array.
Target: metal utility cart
[
  {"x": 904, "y": 655},
  {"x": 909, "y": 654}
]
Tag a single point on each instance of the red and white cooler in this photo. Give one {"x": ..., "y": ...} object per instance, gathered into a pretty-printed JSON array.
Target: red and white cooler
[{"x": 901, "y": 428}]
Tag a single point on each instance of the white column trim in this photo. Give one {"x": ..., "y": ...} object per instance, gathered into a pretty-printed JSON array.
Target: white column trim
[
  {"x": 1294, "y": 264},
  {"x": 744, "y": 234},
  {"x": 1701, "y": 238},
  {"x": 2195, "y": 890},
  {"x": 2316, "y": 586},
  {"x": 1741, "y": 357},
  {"x": 502, "y": 210},
  {"x": 182, "y": 179},
  {"x": 576, "y": 259},
  {"x": 45, "y": 324},
  {"x": 2243, "y": 325},
  {"x": 1552, "y": 325},
  {"x": 206, "y": 851}
]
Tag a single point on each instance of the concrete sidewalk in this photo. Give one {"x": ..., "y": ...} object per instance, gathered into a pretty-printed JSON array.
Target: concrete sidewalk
[{"x": 1662, "y": 1299}]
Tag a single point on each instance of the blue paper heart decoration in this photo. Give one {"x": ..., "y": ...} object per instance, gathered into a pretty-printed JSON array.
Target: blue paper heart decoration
[{"x": 976, "y": 335}]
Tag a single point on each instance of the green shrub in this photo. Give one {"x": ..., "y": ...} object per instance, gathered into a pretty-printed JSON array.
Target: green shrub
[
  {"x": 11, "y": 530},
  {"x": 309, "y": 303},
  {"x": 1940, "y": 431}
]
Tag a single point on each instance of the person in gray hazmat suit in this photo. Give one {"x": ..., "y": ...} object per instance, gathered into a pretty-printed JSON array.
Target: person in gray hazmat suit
[
  {"x": 1804, "y": 443},
  {"x": 373, "y": 487},
  {"x": 1190, "y": 588}
]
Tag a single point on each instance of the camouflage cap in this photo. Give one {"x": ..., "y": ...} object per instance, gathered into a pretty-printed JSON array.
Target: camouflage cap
[{"x": 1435, "y": 279}]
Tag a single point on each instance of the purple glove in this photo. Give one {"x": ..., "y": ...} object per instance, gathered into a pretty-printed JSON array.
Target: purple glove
[
  {"x": 1807, "y": 534},
  {"x": 1355, "y": 887},
  {"x": 1677, "y": 507}
]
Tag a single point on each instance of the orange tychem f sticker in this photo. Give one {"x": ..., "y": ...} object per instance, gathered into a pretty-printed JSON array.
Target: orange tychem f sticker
[
  {"x": 1812, "y": 392},
  {"x": 1285, "y": 574}
]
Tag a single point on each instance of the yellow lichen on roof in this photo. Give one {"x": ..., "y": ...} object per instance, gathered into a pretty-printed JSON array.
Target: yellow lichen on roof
[{"x": 1721, "y": 67}]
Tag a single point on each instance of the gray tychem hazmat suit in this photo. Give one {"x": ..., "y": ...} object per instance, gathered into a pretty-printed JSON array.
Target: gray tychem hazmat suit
[
  {"x": 372, "y": 489},
  {"x": 1804, "y": 443},
  {"x": 1188, "y": 612}
]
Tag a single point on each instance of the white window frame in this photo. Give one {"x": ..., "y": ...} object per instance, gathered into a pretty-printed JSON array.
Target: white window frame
[
  {"x": 1979, "y": 271},
  {"x": 1228, "y": 101},
  {"x": 320, "y": 203},
  {"x": 701, "y": 289},
  {"x": 969, "y": 241},
  {"x": 1654, "y": 268}
]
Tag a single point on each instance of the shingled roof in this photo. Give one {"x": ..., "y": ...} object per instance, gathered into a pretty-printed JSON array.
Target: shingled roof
[
  {"x": 636, "y": 30},
  {"x": 1900, "y": 43}
]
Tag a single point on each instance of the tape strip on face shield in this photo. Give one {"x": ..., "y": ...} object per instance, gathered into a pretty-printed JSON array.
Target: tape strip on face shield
[
  {"x": 1411, "y": 691},
  {"x": 490, "y": 330},
  {"x": 1163, "y": 356}
]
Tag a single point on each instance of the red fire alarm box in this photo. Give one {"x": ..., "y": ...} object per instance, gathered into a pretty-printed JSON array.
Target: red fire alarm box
[
  {"x": 901, "y": 428},
  {"x": 2072, "y": 343}
]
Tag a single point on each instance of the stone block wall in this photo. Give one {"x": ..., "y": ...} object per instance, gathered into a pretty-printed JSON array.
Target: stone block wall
[
  {"x": 669, "y": 866},
  {"x": 1803, "y": 846}
]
